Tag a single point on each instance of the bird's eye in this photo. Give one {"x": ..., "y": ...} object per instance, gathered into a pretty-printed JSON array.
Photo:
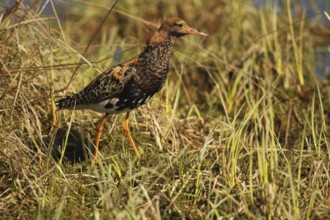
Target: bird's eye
[{"x": 180, "y": 25}]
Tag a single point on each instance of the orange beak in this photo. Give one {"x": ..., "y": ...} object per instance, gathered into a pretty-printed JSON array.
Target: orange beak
[{"x": 189, "y": 30}]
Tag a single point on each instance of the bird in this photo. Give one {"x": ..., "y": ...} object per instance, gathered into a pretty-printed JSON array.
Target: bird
[{"x": 132, "y": 83}]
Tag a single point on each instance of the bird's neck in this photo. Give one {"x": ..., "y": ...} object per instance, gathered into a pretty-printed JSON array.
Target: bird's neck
[
  {"x": 160, "y": 37},
  {"x": 158, "y": 51}
]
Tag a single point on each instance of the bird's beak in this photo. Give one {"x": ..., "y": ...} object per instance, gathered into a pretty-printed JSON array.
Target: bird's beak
[{"x": 189, "y": 30}]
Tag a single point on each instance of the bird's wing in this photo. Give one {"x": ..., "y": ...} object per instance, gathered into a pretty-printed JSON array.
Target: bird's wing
[
  {"x": 108, "y": 84},
  {"x": 105, "y": 86}
]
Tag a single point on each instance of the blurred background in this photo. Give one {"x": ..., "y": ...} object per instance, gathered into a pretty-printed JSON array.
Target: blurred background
[{"x": 207, "y": 14}]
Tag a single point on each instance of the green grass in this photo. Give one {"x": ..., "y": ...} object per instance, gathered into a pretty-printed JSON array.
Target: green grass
[{"x": 240, "y": 131}]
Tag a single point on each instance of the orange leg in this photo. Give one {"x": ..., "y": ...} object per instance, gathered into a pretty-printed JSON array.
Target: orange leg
[
  {"x": 98, "y": 135},
  {"x": 125, "y": 125}
]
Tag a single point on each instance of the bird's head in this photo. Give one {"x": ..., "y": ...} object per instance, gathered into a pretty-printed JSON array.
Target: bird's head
[
  {"x": 177, "y": 27},
  {"x": 171, "y": 29}
]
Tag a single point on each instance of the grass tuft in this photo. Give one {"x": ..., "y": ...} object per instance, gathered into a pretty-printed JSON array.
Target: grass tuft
[{"x": 239, "y": 131}]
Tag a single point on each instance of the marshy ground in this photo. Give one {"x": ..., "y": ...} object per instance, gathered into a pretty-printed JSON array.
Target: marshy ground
[{"x": 240, "y": 130}]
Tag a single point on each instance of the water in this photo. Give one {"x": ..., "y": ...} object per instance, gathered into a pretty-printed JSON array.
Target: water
[{"x": 313, "y": 9}]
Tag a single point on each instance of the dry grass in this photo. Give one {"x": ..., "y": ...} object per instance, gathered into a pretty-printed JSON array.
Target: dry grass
[{"x": 239, "y": 131}]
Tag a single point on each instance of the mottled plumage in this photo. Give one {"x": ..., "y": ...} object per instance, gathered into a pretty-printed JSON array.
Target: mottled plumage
[
  {"x": 131, "y": 83},
  {"x": 125, "y": 86}
]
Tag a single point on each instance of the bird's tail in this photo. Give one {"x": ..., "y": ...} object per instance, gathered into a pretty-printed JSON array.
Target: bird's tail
[{"x": 68, "y": 102}]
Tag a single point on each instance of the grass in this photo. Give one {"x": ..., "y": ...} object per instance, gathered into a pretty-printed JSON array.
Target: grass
[{"x": 240, "y": 130}]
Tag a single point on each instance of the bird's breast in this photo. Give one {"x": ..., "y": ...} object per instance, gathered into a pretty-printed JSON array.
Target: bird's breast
[{"x": 149, "y": 77}]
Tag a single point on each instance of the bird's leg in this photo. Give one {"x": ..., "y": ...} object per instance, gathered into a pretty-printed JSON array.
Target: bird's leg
[
  {"x": 125, "y": 125},
  {"x": 98, "y": 135}
]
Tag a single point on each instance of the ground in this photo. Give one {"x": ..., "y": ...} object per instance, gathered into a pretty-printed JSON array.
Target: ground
[{"x": 240, "y": 130}]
